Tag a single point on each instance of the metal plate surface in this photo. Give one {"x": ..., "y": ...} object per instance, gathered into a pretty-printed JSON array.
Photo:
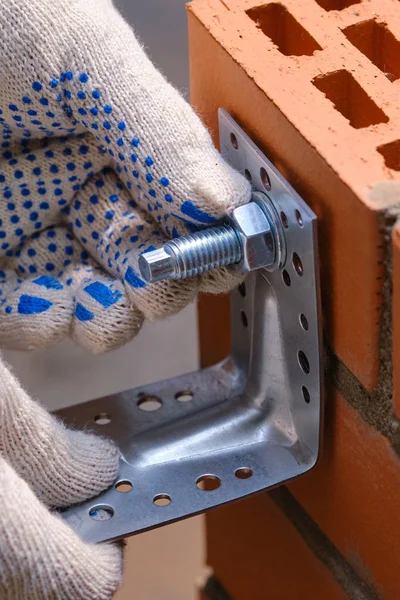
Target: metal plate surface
[{"x": 245, "y": 425}]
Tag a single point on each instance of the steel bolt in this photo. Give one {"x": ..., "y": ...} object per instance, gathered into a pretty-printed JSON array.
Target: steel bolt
[
  {"x": 192, "y": 254},
  {"x": 252, "y": 239}
]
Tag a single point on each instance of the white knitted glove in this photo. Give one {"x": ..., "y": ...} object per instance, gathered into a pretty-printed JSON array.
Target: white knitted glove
[
  {"x": 101, "y": 160},
  {"x": 44, "y": 464}
]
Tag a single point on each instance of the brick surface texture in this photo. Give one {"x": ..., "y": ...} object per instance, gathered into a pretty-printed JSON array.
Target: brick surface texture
[
  {"x": 316, "y": 84},
  {"x": 396, "y": 319},
  {"x": 270, "y": 559}
]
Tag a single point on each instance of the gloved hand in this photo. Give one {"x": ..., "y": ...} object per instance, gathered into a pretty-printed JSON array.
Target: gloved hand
[
  {"x": 43, "y": 464},
  {"x": 101, "y": 160}
]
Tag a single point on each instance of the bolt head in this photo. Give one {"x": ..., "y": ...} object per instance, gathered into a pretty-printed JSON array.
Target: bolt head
[
  {"x": 156, "y": 265},
  {"x": 257, "y": 237}
]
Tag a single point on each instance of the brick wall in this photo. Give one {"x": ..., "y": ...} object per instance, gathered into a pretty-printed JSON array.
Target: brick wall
[{"x": 316, "y": 84}]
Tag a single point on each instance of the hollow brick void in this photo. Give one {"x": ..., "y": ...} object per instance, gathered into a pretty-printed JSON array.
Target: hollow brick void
[
  {"x": 378, "y": 44},
  {"x": 336, "y": 4},
  {"x": 276, "y": 22},
  {"x": 391, "y": 154},
  {"x": 349, "y": 98}
]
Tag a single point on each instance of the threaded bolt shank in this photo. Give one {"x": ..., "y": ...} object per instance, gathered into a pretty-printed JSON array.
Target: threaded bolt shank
[
  {"x": 192, "y": 255},
  {"x": 253, "y": 238}
]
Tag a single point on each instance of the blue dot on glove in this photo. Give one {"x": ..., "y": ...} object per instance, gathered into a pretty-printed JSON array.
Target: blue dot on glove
[
  {"x": 31, "y": 305},
  {"x": 103, "y": 294}
]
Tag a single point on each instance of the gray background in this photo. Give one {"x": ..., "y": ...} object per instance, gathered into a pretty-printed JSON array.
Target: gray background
[{"x": 161, "y": 26}]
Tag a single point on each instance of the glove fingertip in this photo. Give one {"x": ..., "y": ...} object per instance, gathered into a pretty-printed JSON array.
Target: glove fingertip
[{"x": 104, "y": 318}]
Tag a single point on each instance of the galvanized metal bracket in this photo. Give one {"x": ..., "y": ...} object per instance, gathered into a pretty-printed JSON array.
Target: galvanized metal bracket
[{"x": 245, "y": 425}]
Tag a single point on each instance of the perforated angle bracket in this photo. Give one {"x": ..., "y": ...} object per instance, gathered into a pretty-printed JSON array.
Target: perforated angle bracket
[{"x": 242, "y": 426}]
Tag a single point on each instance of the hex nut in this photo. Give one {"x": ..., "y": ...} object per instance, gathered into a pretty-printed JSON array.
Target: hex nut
[{"x": 257, "y": 237}]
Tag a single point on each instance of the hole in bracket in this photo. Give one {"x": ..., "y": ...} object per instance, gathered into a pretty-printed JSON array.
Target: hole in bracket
[
  {"x": 306, "y": 394},
  {"x": 102, "y": 419},
  {"x": 247, "y": 174},
  {"x": 101, "y": 513},
  {"x": 162, "y": 500},
  {"x": 286, "y": 277},
  {"x": 265, "y": 179},
  {"x": 298, "y": 265},
  {"x": 303, "y": 362},
  {"x": 123, "y": 486},
  {"x": 234, "y": 141},
  {"x": 184, "y": 396},
  {"x": 244, "y": 473},
  {"x": 242, "y": 290},
  {"x": 284, "y": 220},
  {"x": 149, "y": 403},
  {"x": 208, "y": 483},
  {"x": 304, "y": 322},
  {"x": 244, "y": 318},
  {"x": 299, "y": 218}
]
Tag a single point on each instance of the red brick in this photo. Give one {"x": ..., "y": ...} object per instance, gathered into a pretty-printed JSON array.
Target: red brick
[
  {"x": 396, "y": 318},
  {"x": 214, "y": 328},
  {"x": 334, "y": 151},
  {"x": 256, "y": 553},
  {"x": 353, "y": 494}
]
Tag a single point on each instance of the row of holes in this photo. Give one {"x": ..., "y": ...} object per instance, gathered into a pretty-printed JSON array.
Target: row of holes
[
  {"x": 206, "y": 483},
  {"x": 263, "y": 173},
  {"x": 302, "y": 357},
  {"x": 296, "y": 262},
  {"x": 146, "y": 403},
  {"x": 298, "y": 267},
  {"x": 265, "y": 179}
]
